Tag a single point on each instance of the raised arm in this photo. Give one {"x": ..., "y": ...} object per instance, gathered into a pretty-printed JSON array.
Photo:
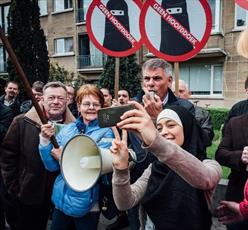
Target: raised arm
[
  {"x": 125, "y": 195},
  {"x": 203, "y": 175}
]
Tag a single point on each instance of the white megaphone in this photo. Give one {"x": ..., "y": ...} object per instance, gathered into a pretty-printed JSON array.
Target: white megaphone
[{"x": 83, "y": 162}]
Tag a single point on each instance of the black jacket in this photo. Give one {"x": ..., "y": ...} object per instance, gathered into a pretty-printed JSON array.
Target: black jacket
[
  {"x": 238, "y": 109},
  {"x": 6, "y": 117},
  {"x": 15, "y": 107}
]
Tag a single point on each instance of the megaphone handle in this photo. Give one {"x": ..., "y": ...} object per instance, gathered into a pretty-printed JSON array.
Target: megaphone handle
[{"x": 132, "y": 153}]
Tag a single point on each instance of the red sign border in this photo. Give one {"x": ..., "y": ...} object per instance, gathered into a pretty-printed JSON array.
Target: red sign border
[
  {"x": 178, "y": 58},
  {"x": 242, "y": 3},
  {"x": 101, "y": 47}
]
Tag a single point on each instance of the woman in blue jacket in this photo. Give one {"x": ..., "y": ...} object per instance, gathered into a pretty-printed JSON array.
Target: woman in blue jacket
[{"x": 78, "y": 208}]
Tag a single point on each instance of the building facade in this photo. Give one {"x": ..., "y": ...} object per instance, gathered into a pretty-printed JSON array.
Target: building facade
[{"x": 215, "y": 76}]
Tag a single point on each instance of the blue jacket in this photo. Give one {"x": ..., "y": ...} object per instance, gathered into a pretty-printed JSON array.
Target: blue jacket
[{"x": 70, "y": 202}]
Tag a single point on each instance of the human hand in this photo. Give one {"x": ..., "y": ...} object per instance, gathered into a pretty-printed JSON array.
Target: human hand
[
  {"x": 244, "y": 156},
  {"x": 152, "y": 104},
  {"x": 115, "y": 103},
  {"x": 229, "y": 212},
  {"x": 119, "y": 150},
  {"x": 56, "y": 153},
  {"x": 47, "y": 130},
  {"x": 138, "y": 120}
]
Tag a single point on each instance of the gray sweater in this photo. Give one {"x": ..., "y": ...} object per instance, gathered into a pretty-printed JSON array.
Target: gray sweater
[{"x": 202, "y": 175}]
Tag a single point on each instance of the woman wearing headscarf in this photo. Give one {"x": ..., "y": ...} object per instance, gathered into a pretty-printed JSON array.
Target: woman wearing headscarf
[{"x": 175, "y": 191}]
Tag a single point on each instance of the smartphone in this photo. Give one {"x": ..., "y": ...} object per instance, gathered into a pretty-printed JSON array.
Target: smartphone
[{"x": 108, "y": 117}]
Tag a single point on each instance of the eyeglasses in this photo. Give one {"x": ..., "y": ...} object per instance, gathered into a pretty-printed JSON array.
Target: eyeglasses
[{"x": 88, "y": 104}]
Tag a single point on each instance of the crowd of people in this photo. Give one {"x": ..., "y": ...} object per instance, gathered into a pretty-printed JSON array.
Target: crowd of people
[{"x": 170, "y": 185}]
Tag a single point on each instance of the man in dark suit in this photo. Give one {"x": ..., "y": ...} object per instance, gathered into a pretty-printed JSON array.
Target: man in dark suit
[{"x": 229, "y": 152}]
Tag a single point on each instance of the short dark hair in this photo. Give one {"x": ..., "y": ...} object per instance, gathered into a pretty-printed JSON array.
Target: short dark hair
[
  {"x": 38, "y": 86},
  {"x": 54, "y": 84},
  {"x": 13, "y": 82},
  {"x": 246, "y": 83}
]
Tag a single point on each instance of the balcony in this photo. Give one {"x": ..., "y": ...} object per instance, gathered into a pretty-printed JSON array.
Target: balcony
[
  {"x": 81, "y": 16},
  {"x": 91, "y": 61}
]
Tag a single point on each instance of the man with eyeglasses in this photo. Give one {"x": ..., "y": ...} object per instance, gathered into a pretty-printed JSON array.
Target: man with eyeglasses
[{"x": 28, "y": 184}]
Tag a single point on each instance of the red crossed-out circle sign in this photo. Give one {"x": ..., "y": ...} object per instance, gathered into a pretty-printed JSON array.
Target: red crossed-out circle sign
[
  {"x": 175, "y": 30},
  {"x": 242, "y": 3},
  {"x": 113, "y": 26}
]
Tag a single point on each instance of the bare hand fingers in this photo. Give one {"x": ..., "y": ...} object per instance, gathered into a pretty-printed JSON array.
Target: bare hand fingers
[
  {"x": 124, "y": 136},
  {"x": 116, "y": 133}
]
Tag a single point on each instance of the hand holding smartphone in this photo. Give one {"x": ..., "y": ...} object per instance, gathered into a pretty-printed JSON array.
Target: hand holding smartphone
[{"x": 108, "y": 117}]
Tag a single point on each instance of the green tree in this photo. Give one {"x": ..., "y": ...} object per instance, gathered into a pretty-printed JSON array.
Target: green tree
[
  {"x": 28, "y": 41},
  {"x": 129, "y": 75},
  {"x": 58, "y": 73}
]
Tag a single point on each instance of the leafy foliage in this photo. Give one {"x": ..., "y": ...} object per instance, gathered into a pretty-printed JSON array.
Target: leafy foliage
[
  {"x": 58, "y": 73},
  {"x": 218, "y": 116},
  {"x": 129, "y": 75},
  {"x": 28, "y": 41},
  {"x": 212, "y": 149}
]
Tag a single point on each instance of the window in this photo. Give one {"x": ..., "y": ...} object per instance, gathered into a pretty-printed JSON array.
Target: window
[
  {"x": 203, "y": 80},
  {"x": 89, "y": 55},
  {"x": 215, "y": 6},
  {"x": 63, "y": 46},
  {"x": 4, "y": 11},
  {"x": 61, "y": 5},
  {"x": 43, "y": 7},
  {"x": 83, "y": 6},
  {"x": 240, "y": 17},
  {"x": 3, "y": 57}
]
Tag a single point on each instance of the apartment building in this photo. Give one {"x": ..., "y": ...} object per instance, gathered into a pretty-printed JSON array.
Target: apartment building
[{"x": 215, "y": 76}]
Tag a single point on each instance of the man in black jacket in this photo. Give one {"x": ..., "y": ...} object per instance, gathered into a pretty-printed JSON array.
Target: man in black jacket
[
  {"x": 28, "y": 184},
  {"x": 10, "y": 98},
  {"x": 157, "y": 78},
  {"x": 6, "y": 117}
]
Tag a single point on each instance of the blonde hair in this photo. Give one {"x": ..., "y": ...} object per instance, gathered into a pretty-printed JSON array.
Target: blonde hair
[
  {"x": 89, "y": 89},
  {"x": 242, "y": 45}
]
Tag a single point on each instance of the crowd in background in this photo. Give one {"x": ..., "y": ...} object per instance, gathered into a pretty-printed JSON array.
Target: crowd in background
[{"x": 170, "y": 185}]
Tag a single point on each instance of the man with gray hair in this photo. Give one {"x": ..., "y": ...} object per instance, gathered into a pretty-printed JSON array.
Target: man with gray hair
[
  {"x": 157, "y": 79},
  {"x": 28, "y": 184},
  {"x": 156, "y": 95},
  {"x": 202, "y": 116}
]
